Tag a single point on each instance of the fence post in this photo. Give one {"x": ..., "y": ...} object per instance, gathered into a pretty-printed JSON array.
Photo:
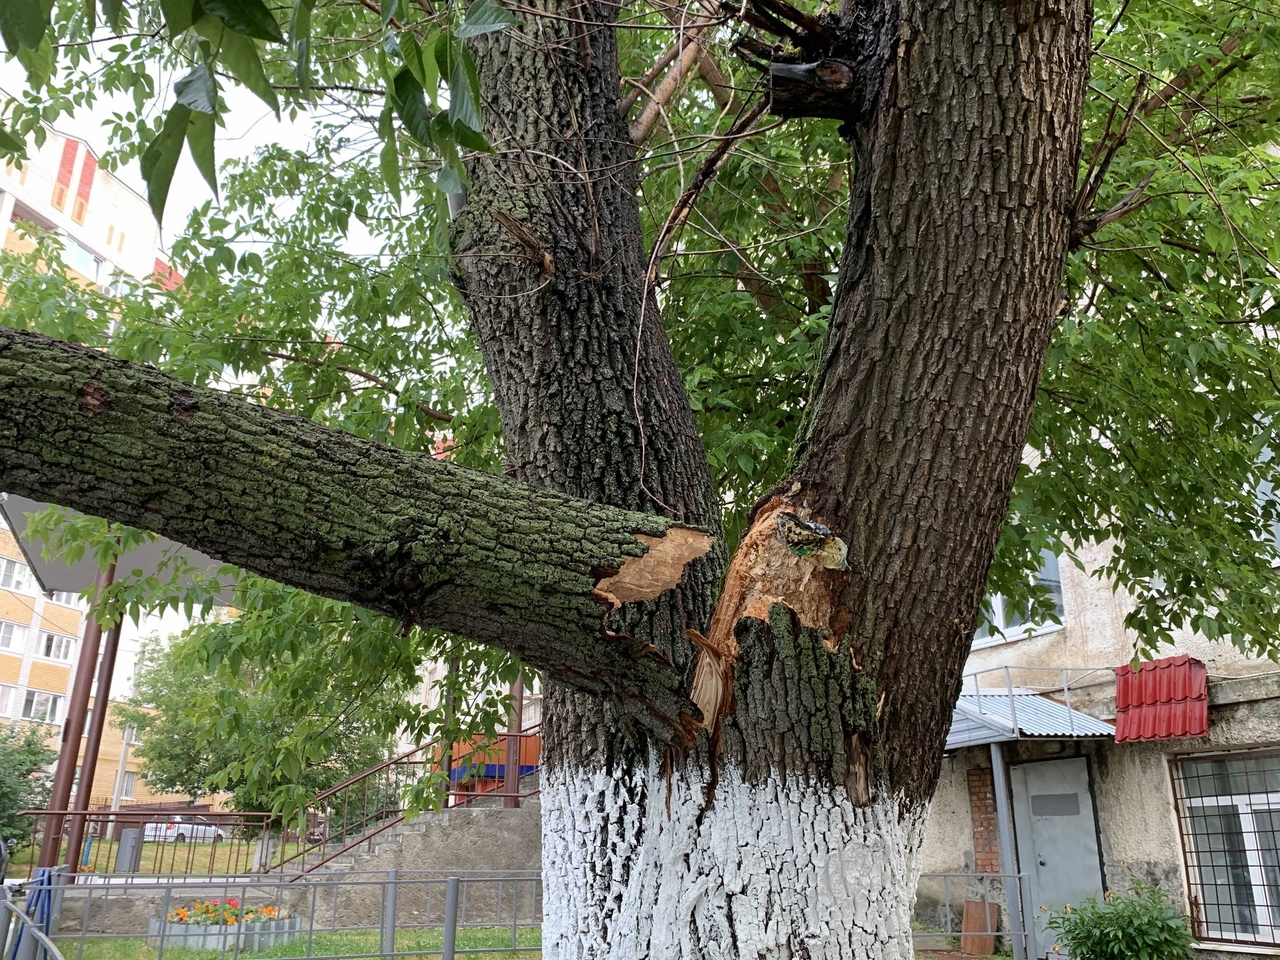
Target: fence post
[
  {"x": 389, "y": 913},
  {"x": 450, "y": 918}
]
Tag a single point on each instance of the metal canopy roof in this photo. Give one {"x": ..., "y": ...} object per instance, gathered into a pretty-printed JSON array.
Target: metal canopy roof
[
  {"x": 982, "y": 718},
  {"x": 58, "y": 576}
]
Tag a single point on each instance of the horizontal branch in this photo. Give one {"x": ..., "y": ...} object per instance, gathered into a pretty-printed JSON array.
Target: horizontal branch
[{"x": 428, "y": 542}]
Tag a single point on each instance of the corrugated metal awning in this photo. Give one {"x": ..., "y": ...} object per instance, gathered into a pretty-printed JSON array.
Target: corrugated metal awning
[{"x": 982, "y": 718}]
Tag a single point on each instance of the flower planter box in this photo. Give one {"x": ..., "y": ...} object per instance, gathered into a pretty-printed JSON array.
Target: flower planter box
[{"x": 224, "y": 936}]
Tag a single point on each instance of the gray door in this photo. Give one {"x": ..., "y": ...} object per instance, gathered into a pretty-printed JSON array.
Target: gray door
[{"x": 1057, "y": 839}]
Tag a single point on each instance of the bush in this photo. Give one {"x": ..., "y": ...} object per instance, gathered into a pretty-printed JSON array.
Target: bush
[{"x": 1140, "y": 924}]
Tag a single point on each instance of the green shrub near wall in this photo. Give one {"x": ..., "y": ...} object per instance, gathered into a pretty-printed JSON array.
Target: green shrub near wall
[{"x": 1140, "y": 924}]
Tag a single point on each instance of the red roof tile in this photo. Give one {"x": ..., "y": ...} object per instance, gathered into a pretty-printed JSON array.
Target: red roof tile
[{"x": 1162, "y": 699}]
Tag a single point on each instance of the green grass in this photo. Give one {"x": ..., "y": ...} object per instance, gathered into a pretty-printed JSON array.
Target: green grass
[{"x": 478, "y": 941}]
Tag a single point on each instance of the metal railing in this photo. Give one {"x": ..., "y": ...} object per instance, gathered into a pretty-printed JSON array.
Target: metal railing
[
  {"x": 353, "y": 915},
  {"x": 953, "y": 907},
  {"x": 1055, "y": 682},
  {"x": 23, "y": 934},
  {"x": 172, "y": 841},
  {"x": 358, "y": 810}
]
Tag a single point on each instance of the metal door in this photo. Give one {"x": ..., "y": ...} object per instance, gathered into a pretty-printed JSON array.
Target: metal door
[{"x": 1057, "y": 839}]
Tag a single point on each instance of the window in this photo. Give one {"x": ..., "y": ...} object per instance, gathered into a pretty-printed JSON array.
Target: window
[
  {"x": 65, "y": 597},
  {"x": 1229, "y": 811},
  {"x": 6, "y": 699},
  {"x": 1003, "y": 620},
  {"x": 56, "y": 647},
  {"x": 81, "y": 260},
  {"x": 130, "y": 734},
  {"x": 14, "y": 575},
  {"x": 11, "y": 636},
  {"x": 42, "y": 707},
  {"x": 126, "y": 785}
]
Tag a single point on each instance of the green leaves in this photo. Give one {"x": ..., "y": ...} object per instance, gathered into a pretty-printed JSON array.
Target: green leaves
[
  {"x": 161, "y": 157},
  {"x": 198, "y": 90},
  {"x": 484, "y": 16},
  {"x": 248, "y": 17},
  {"x": 11, "y": 145},
  {"x": 240, "y": 56},
  {"x": 409, "y": 100},
  {"x": 23, "y": 23},
  {"x": 300, "y": 40}
]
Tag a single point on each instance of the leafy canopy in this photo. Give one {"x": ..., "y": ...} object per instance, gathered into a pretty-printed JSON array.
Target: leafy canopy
[
  {"x": 26, "y": 764},
  {"x": 1152, "y": 434}
]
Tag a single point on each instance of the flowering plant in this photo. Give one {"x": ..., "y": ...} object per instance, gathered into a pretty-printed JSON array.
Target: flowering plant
[{"x": 207, "y": 913}]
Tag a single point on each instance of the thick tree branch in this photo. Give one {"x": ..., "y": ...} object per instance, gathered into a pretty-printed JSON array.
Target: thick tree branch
[{"x": 545, "y": 576}]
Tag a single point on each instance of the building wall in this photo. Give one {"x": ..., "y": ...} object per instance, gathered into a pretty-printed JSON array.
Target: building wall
[
  {"x": 1132, "y": 782},
  {"x": 61, "y": 187}
]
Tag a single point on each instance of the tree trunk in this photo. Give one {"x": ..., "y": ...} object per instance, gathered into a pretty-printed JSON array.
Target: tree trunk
[
  {"x": 793, "y": 827},
  {"x": 730, "y": 771}
]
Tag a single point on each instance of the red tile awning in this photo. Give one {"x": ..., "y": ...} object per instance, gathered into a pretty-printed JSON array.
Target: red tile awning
[{"x": 1161, "y": 700}]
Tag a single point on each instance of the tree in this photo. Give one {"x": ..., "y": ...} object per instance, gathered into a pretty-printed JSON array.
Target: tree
[
  {"x": 26, "y": 764},
  {"x": 740, "y": 747},
  {"x": 201, "y": 730}
]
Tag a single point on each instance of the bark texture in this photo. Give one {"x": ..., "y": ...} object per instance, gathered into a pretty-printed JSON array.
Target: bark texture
[
  {"x": 420, "y": 539},
  {"x": 960, "y": 222}
]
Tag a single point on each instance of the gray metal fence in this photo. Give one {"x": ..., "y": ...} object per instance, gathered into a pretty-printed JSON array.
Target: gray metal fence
[
  {"x": 351, "y": 915},
  {"x": 386, "y": 914}
]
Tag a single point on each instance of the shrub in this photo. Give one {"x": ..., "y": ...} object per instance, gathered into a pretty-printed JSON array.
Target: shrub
[{"x": 1140, "y": 924}]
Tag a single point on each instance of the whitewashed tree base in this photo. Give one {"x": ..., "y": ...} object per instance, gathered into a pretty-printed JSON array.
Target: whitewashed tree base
[
  {"x": 240, "y": 936},
  {"x": 644, "y": 867}
]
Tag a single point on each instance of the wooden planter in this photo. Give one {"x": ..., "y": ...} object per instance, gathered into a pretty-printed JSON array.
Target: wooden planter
[{"x": 223, "y": 936}]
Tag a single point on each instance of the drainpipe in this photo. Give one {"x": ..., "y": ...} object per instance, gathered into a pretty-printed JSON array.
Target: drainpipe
[
  {"x": 93, "y": 742},
  {"x": 1008, "y": 864},
  {"x": 73, "y": 729}
]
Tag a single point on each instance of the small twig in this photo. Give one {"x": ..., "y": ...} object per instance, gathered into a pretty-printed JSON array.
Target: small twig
[{"x": 357, "y": 372}]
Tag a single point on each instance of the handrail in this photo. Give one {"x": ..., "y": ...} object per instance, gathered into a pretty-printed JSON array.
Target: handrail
[{"x": 25, "y": 925}]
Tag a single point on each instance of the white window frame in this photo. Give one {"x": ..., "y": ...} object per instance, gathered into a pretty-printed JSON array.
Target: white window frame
[
  {"x": 999, "y": 632},
  {"x": 1245, "y": 804},
  {"x": 13, "y": 636},
  {"x": 127, "y": 785},
  {"x": 7, "y": 700},
  {"x": 15, "y": 575},
  {"x": 66, "y": 598},
  {"x": 57, "y": 642},
  {"x": 52, "y": 705}
]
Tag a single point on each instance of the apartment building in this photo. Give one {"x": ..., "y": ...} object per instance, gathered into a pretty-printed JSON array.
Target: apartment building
[
  {"x": 107, "y": 227},
  {"x": 40, "y": 636},
  {"x": 1099, "y": 774}
]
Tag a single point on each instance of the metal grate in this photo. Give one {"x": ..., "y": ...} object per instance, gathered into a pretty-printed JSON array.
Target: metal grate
[{"x": 1229, "y": 816}]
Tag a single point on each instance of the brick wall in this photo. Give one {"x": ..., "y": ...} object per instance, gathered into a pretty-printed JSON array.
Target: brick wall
[{"x": 982, "y": 808}]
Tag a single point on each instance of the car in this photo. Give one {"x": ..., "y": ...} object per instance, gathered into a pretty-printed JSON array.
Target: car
[{"x": 184, "y": 828}]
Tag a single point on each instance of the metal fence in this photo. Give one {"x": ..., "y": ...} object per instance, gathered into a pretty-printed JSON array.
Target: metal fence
[
  {"x": 970, "y": 911},
  {"x": 351, "y": 915},
  {"x": 386, "y": 914}
]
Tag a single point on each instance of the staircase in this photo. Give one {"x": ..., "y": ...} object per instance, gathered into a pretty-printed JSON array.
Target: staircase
[{"x": 369, "y": 809}]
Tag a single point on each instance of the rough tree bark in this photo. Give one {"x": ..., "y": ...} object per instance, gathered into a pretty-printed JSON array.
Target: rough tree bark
[{"x": 780, "y": 813}]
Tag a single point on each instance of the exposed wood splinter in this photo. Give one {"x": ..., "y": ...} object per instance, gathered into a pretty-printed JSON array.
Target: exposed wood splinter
[{"x": 658, "y": 570}]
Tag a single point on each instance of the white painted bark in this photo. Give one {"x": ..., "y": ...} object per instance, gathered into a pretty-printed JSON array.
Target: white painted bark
[{"x": 640, "y": 866}]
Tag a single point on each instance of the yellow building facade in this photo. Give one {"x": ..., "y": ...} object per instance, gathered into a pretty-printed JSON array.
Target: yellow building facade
[{"x": 40, "y": 638}]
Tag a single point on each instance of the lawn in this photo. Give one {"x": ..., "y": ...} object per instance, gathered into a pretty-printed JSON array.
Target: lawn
[
  {"x": 478, "y": 941},
  {"x": 224, "y": 857}
]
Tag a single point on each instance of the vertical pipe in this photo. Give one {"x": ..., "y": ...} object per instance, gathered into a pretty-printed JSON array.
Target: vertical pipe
[
  {"x": 389, "y": 914},
  {"x": 1008, "y": 865},
  {"x": 93, "y": 742},
  {"x": 450, "y": 919},
  {"x": 514, "y": 726},
  {"x": 73, "y": 727}
]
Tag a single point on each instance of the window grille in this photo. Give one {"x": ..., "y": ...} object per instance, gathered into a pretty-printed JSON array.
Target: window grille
[{"x": 1229, "y": 815}]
